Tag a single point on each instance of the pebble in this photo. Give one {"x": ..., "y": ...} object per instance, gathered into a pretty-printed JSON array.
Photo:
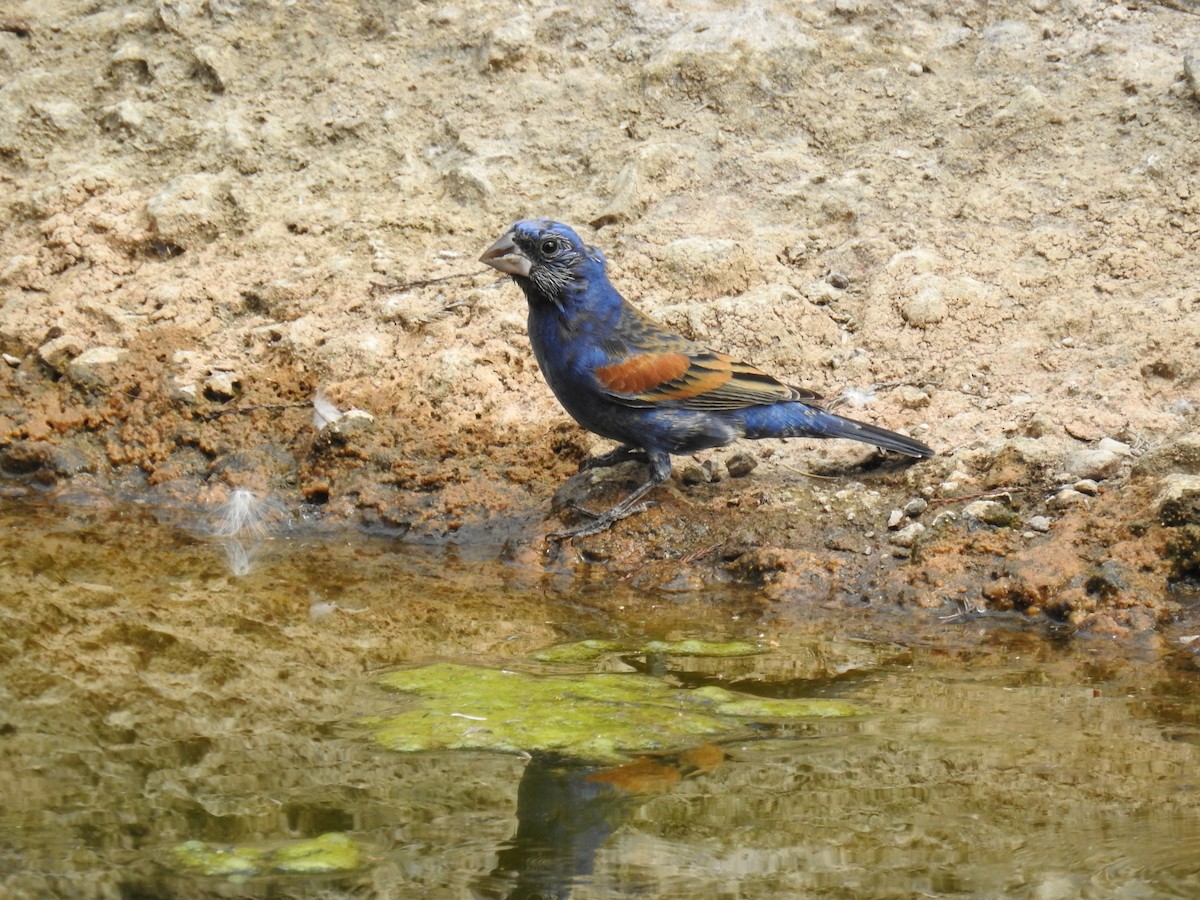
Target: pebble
[
  {"x": 907, "y": 536},
  {"x": 927, "y": 308},
  {"x": 1094, "y": 463},
  {"x": 94, "y": 366},
  {"x": 894, "y": 520},
  {"x": 945, "y": 517},
  {"x": 507, "y": 44},
  {"x": 1067, "y": 498},
  {"x": 57, "y": 353},
  {"x": 990, "y": 512},
  {"x": 222, "y": 386},
  {"x": 1040, "y": 425},
  {"x": 701, "y": 473},
  {"x": 1039, "y": 524},
  {"x": 1114, "y": 446},
  {"x": 740, "y": 465},
  {"x": 193, "y": 209},
  {"x": 1179, "y": 501},
  {"x": 915, "y": 507},
  {"x": 954, "y": 484},
  {"x": 1087, "y": 486},
  {"x": 913, "y": 397},
  {"x": 188, "y": 393}
]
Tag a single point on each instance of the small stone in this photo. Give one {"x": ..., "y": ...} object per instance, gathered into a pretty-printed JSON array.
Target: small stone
[
  {"x": 222, "y": 386},
  {"x": 927, "y": 308},
  {"x": 740, "y": 465},
  {"x": 13, "y": 361},
  {"x": 894, "y": 520},
  {"x": 188, "y": 393},
  {"x": 1114, "y": 446},
  {"x": 57, "y": 353},
  {"x": 907, "y": 536},
  {"x": 507, "y": 44},
  {"x": 1067, "y": 498},
  {"x": 1179, "y": 501},
  {"x": 353, "y": 424},
  {"x": 990, "y": 512},
  {"x": 1040, "y": 524},
  {"x": 1040, "y": 425},
  {"x": 193, "y": 209},
  {"x": 695, "y": 474},
  {"x": 957, "y": 483},
  {"x": 1095, "y": 463},
  {"x": 1087, "y": 486},
  {"x": 913, "y": 397},
  {"x": 915, "y": 507},
  {"x": 129, "y": 116},
  {"x": 215, "y": 66},
  {"x": 944, "y": 518},
  {"x": 94, "y": 366},
  {"x": 837, "y": 280}
]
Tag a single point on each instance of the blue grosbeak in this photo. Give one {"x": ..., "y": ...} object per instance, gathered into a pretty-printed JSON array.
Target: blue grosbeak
[{"x": 623, "y": 376}]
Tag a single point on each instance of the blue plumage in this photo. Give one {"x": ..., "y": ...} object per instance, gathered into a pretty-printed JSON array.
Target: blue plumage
[{"x": 621, "y": 375}]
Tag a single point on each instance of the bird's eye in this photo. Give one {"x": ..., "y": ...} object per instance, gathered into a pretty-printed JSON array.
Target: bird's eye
[{"x": 550, "y": 246}]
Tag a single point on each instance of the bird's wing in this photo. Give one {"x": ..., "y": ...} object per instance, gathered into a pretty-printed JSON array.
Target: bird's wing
[{"x": 693, "y": 379}]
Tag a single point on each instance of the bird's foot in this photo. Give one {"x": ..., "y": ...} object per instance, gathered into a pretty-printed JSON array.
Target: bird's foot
[{"x": 600, "y": 521}]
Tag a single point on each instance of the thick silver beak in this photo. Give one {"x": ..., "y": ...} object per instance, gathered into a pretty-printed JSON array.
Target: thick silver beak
[{"x": 504, "y": 256}]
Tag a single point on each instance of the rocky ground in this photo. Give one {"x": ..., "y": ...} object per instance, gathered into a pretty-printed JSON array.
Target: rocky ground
[{"x": 977, "y": 222}]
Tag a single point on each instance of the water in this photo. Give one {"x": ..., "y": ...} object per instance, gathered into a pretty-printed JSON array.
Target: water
[{"x": 152, "y": 698}]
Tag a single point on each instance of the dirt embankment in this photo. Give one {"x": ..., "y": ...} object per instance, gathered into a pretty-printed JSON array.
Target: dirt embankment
[{"x": 979, "y": 222}]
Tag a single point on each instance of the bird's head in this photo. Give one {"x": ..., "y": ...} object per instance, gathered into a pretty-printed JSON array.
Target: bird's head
[{"x": 547, "y": 259}]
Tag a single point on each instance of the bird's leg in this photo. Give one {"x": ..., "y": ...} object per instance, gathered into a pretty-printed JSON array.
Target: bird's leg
[
  {"x": 660, "y": 471},
  {"x": 621, "y": 454}
]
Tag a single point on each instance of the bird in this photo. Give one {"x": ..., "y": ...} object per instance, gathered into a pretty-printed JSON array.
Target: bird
[{"x": 625, "y": 377}]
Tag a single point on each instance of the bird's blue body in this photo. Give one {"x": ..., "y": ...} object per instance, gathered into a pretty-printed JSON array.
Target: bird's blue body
[{"x": 621, "y": 375}]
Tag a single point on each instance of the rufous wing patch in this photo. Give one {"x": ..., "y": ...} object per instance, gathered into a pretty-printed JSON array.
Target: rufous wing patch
[
  {"x": 643, "y": 373},
  {"x": 699, "y": 380}
]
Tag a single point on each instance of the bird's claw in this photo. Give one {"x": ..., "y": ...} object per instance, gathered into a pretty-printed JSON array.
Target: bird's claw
[{"x": 583, "y": 510}]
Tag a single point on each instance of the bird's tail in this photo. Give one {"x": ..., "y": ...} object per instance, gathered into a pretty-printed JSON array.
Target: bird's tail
[{"x": 800, "y": 420}]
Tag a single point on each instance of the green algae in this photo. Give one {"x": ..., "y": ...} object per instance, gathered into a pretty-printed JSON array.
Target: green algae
[
  {"x": 595, "y": 717},
  {"x": 586, "y": 651},
  {"x": 579, "y": 651},
  {"x": 323, "y": 855},
  {"x": 714, "y": 649},
  {"x": 729, "y": 703}
]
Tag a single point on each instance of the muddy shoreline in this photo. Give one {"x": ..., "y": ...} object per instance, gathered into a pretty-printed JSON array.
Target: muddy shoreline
[{"x": 976, "y": 223}]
